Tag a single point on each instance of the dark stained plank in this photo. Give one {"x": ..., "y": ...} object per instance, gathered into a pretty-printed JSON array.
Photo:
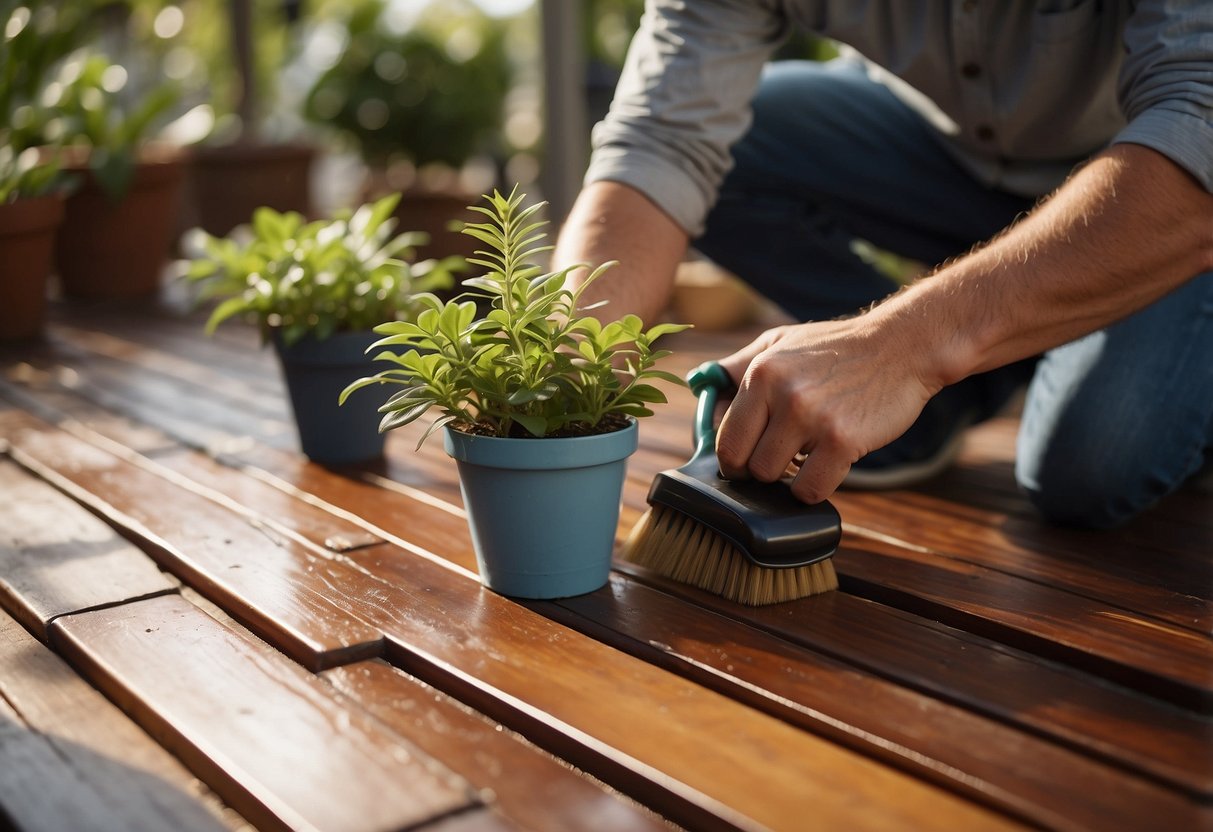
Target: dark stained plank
[
  {"x": 523, "y": 784},
  {"x": 677, "y": 747},
  {"x": 56, "y": 558},
  {"x": 74, "y": 761},
  {"x": 272, "y": 740},
  {"x": 988, "y": 459},
  {"x": 294, "y": 595},
  {"x": 1135, "y": 732},
  {"x": 1014, "y": 770},
  {"x": 158, "y": 344},
  {"x": 201, "y": 415},
  {"x": 1155, "y": 658},
  {"x": 1133, "y": 568},
  {"x": 39, "y": 393},
  {"x": 406, "y": 516}
]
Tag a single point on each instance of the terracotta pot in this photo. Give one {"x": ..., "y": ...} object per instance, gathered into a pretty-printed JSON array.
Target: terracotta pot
[
  {"x": 227, "y": 183},
  {"x": 27, "y": 238},
  {"x": 433, "y": 211},
  {"x": 108, "y": 249}
]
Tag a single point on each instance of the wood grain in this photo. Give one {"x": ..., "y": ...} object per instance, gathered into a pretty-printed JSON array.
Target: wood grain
[
  {"x": 1105, "y": 567},
  {"x": 270, "y": 738}
]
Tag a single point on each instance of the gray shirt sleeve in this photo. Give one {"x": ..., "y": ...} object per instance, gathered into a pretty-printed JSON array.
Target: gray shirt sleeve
[
  {"x": 683, "y": 100},
  {"x": 1166, "y": 83}
]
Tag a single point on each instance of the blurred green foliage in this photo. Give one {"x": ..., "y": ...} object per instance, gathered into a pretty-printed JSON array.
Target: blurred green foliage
[{"x": 432, "y": 93}]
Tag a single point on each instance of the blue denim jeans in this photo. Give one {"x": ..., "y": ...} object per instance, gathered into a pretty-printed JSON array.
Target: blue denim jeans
[{"x": 1112, "y": 422}]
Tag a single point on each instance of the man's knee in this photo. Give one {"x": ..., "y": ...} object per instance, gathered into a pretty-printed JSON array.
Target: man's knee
[
  {"x": 1069, "y": 492},
  {"x": 1096, "y": 476}
]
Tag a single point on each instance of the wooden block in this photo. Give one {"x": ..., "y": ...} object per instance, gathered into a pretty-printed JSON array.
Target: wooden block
[
  {"x": 430, "y": 525},
  {"x": 271, "y": 739},
  {"x": 473, "y": 820},
  {"x": 1003, "y": 765},
  {"x": 57, "y": 558},
  {"x": 74, "y": 761},
  {"x": 301, "y": 600},
  {"x": 204, "y": 412},
  {"x": 522, "y": 783}
]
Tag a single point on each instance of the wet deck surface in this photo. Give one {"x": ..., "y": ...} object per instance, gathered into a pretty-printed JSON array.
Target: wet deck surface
[{"x": 203, "y": 630}]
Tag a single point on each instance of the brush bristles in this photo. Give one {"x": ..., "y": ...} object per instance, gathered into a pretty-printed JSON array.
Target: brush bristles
[{"x": 672, "y": 544}]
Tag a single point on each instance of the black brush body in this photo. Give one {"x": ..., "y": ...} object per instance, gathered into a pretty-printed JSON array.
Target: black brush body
[{"x": 763, "y": 520}]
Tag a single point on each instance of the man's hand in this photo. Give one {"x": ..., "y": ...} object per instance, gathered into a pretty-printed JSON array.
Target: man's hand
[{"x": 818, "y": 396}]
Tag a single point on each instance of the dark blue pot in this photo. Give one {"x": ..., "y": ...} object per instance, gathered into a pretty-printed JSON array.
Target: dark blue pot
[
  {"x": 543, "y": 512},
  {"x": 316, "y": 371}
]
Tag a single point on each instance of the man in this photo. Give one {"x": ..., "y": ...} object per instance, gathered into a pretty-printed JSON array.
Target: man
[{"x": 939, "y": 144}]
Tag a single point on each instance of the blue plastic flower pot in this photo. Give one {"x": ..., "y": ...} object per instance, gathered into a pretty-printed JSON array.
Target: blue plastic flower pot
[
  {"x": 543, "y": 512},
  {"x": 316, "y": 371}
]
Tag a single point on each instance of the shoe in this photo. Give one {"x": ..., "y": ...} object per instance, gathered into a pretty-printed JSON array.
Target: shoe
[
  {"x": 1202, "y": 481},
  {"x": 936, "y": 438},
  {"x": 927, "y": 449}
]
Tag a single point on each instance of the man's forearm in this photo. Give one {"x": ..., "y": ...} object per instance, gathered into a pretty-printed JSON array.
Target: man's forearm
[
  {"x": 1122, "y": 232},
  {"x": 611, "y": 221}
]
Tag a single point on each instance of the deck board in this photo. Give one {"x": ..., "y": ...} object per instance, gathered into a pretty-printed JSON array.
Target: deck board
[
  {"x": 976, "y": 669},
  {"x": 268, "y": 736},
  {"x": 57, "y": 558},
  {"x": 529, "y": 788},
  {"x": 271, "y": 582},
  {"x": 933, "y": 738},
  {"x": 57, "y": 739}
]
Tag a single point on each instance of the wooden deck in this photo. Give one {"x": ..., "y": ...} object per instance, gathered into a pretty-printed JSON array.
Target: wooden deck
[{"x": 202, "y": 630}]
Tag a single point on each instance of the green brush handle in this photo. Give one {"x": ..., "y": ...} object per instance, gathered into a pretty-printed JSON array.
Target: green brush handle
[{"x": 707, "y": 381}]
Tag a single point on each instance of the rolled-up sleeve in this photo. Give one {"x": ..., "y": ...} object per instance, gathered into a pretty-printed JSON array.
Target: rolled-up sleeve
[
  {"x": 682, "y": 101},
  {"x": 1166, "y": 83}
]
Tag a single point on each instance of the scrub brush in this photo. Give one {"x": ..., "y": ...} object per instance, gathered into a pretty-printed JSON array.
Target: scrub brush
[{"x": 747, "y": 541}]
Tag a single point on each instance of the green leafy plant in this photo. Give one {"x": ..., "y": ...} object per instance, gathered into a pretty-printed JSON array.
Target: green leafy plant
[
  {"x": 86, "y": 111},
  {"x": 27, "y": 174},
  {"x": 341, "y": 274},
  {"x": 421, "y": 95},
  {"x": 532, "y": 365}
]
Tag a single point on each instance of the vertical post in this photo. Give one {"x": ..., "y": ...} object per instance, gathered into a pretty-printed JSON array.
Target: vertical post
[
  {"x": 566, "y": 133},
  {"x": 241, "y": 21}
]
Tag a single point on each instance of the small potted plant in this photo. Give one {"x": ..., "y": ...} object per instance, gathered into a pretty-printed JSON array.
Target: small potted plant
[
  {"x": 315, "y": 290},
  {"x": 31, "y": 208},
  {"x": 539, "y": 403},
  {"x": 121, "y": 219}
]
